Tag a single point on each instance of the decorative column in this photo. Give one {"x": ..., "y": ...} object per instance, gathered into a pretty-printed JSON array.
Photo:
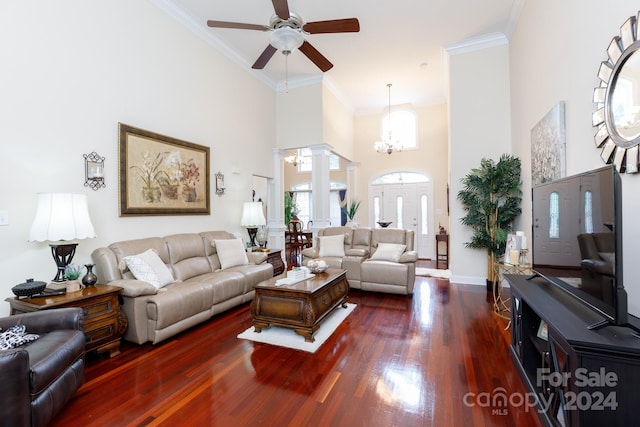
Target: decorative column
[
  {"x": 352, "y": 180},
  {"x": 320, "y": 181},
  {"x": 275, "y": 221}
]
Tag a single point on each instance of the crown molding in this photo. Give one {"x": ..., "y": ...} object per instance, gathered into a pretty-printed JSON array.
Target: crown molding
[
  {"x": 477, "y": 43},
  {"x": 177, "y": 13}
]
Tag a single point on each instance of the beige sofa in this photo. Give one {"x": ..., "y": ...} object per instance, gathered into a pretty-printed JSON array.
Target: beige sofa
[
  {"x": 200, "y": 288},
  {"x": 391, "y": 274}
]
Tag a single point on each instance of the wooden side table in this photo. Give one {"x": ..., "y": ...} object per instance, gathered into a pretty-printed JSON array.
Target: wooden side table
[
  {"x": 104, "y": 320},
  {"x": 442, "y": 251},
  {"x": 274, "y": 257}
]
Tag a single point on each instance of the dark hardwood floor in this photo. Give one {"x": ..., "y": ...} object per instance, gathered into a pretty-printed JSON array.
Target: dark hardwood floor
[{"x": 436, "y": 358}]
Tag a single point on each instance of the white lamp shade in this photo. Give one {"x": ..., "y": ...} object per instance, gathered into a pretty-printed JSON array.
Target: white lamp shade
[
  {"x": 61, "y": 216},
  {"x": 252, "y": 215}
]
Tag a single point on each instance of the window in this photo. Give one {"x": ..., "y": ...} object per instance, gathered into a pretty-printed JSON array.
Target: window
[
  {"x": 303, "y": 202},
  {"x": 376, "y": 209},
  {"x": 403, "y": 128},
  {"x": 588, "y": 212},
  {"x": 401, "y": 178},
  {"x": 399, "y": 215},
  {"x": 303, "y": 198},
  {"x": 554, "y": 215},
  {"x": 424, "y": 228},
  {"x": 306, "y": 165}
]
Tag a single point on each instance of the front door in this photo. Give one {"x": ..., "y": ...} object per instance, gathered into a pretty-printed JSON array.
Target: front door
[{"x": 408, "y": 207}]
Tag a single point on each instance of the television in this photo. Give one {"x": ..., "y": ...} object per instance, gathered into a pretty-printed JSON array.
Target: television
[{"x": 577, "y": 240}]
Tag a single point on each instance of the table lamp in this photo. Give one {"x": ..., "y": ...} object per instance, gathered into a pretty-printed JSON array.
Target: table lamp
[
  {"x": 252, "y": 217},
  {"x": 61, "y": 217}
]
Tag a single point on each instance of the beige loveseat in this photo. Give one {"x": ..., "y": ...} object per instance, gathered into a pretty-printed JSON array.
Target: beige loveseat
[
  {"x": 199, "y": 288},
  {"x": 380, "y": 260}
]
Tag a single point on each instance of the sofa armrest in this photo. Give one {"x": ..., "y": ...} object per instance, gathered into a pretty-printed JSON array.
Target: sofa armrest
[
  {"x": 14, "y": 387},
  {"x": 356, "y": 252},
  {"x": 134, "y": 288},
  {"x": 310, "y": 252},
  {"x": 408, "y": 256},
  {"x": 40, "y": 322},
  {"x": 256, "y": 257},
  {"x": 597, "y": 266}
]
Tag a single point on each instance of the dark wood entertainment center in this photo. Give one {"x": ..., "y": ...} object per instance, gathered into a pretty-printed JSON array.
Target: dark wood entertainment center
[{"x": 589, "y": 377}]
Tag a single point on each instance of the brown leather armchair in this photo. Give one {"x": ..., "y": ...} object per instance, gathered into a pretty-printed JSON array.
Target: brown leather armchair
[
  {"x": 596, "y": 252},
  {"x": 39, "y": 378}
]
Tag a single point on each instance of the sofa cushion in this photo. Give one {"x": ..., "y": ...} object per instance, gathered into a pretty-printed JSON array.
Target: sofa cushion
[
  {"x": 331, "y": 245},
  {"x": 231, "y": 253},
  {"x": 388, "y": 252},
  {"x": 148, "y": 267}
]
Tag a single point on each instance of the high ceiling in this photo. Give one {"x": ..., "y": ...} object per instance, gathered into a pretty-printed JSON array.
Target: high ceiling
[{"x": 400, "y": 42}]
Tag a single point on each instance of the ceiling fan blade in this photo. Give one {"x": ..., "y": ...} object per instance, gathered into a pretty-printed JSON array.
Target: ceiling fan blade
[
  {"x": 315, "y": 56},
  {"x": 239, "y": 25},
  {"x": 282, "y": 8},
  {"x": 264, "y": 57},
  {"x": 349, "y": 25}
]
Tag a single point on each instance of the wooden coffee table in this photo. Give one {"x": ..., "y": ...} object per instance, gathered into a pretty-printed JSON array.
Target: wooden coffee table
[{"x": 301, "y": 306}]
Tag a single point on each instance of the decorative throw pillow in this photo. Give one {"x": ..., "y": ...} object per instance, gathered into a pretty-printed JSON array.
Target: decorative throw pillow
[
  {"x": 16, "y": 336},
  {"x": 231, "y": 253},
  {"x": 388, "y": 252},
  {"x": 149, "y": 268},
  {"x": 331, "y": 245}
]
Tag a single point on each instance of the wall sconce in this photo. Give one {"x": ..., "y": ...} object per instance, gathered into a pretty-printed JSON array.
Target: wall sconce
[
  {"x": 219, "y": 184},
  {"x": 94, "y": 171}
]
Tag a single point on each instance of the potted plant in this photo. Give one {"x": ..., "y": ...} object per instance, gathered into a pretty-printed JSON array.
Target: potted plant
[
  {"x": 72, "y": 275},
  {"x": 491, "y": 195},
  {"x": 350, "y": 210},
  {"x": 290, "y": 208}
]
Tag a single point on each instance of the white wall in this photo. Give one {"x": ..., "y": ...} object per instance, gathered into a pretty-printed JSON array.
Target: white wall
[
  {"x": 479, "y": 123},
  {"x": 299, "y": 116},
  {"x": 71, "y": 71},
  {"x": 337, "y": 123},
  {"x": 556, "y": 52}
]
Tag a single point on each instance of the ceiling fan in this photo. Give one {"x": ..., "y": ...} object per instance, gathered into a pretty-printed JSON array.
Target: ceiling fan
[{"x": 287, "y": 31}]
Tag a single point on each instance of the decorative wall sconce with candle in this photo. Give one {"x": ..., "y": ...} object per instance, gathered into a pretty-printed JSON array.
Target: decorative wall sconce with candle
[
  {"x": 94, "y": 171},
  {"x": 219, "y": 184}
]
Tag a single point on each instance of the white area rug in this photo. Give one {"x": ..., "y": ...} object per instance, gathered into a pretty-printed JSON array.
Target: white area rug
[
  {"x": 433, "y": 272},
  {"x": 285, "y": 337}
]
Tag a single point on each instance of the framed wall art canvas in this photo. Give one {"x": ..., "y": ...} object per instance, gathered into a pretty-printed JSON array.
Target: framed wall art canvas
[
  {"x": 160, "y": 175},
  {"x": 548, "y": 147}
]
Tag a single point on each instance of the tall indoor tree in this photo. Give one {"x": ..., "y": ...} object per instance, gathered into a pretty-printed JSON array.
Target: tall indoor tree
[{"x": 491, "y": 195}]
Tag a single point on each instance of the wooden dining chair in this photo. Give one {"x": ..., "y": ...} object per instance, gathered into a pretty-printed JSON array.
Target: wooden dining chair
[{"x": 296, "y": 241}]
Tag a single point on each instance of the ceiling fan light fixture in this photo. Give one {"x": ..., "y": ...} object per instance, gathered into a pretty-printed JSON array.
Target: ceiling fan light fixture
[{"x": 286, "y": 39}]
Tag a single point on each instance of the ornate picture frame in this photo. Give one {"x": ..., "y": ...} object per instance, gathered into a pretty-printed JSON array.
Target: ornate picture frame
[{"x": 160, "y": 175}]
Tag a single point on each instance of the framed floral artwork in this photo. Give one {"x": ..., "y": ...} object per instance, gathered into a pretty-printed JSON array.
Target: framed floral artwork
[{"x": 160, "y": 175}]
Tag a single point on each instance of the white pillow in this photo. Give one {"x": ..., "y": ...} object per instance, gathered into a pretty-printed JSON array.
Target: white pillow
[
  {"x": 331, "y": 245},
  {"x": 149, "y": 268},
  {"x": 388, "y": 252},
  {"x": 231, "y": 252}
]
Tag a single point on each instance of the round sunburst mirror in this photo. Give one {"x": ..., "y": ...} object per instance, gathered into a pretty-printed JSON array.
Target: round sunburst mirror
[{"x": 617, "y": 117}]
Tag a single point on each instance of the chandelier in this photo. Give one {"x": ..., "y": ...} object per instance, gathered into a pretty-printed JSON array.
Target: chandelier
[
  {"x": 388, "y": 144},
  {"x": 293, "y": 160}
]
